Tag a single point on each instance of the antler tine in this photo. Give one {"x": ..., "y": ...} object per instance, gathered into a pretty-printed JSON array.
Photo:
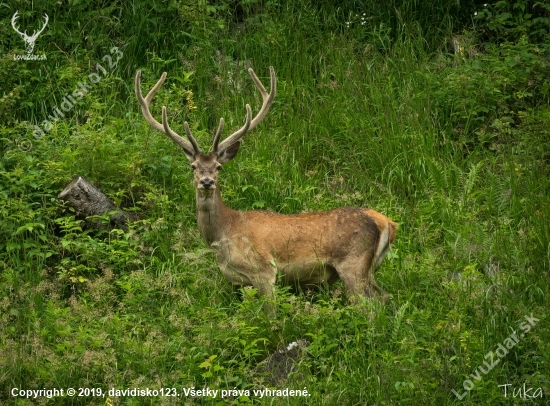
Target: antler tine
[
  {"x": 267, "y": 101},
  {"x": 267, "y": 97},
  {"x": 144, "y": 103},
  {"x": 217, "y": 136},
  {"x": 233, "y": 138},
  {"x": 191, "y": 138},
  {"x": 192, "y": 147}
]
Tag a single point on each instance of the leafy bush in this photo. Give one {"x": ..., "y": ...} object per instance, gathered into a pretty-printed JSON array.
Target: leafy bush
[
  {"x": 496, "y": 86},
  {"x": 511, "y": 20}
]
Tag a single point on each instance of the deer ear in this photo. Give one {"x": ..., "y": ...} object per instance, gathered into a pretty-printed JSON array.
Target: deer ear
[{"x": 229, "y": 153}]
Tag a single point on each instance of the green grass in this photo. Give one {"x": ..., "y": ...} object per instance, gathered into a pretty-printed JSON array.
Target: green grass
[{"x": 454, "y": 149}]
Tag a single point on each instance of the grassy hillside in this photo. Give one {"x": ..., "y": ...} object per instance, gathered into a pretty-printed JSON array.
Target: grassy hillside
[{"x": 374, "y": 108}]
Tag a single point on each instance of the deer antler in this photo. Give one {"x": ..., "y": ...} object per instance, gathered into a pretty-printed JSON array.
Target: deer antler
[
  {"x": 145, "y": 101},
  {"x": 191, "y": 146},
  {"x": 267, "y": 101}
]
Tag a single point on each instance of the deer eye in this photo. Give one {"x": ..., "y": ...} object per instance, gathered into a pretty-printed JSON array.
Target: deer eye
[
  {"x": 218, "y": 168},
  {"x": 193, "y": 166}
]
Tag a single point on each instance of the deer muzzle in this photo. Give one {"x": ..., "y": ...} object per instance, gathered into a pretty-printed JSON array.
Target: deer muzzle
[{"x": 207, "y": 183}]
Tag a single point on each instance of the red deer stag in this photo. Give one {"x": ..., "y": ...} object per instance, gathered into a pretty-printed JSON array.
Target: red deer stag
[{"x": 253, "y": 246}]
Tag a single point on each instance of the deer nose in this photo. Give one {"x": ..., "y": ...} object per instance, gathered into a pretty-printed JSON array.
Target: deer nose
[{"x": 207, "y": 183}]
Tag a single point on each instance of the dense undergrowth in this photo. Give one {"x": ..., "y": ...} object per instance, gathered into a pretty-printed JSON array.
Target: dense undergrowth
[{"x": 373, "y": 109}]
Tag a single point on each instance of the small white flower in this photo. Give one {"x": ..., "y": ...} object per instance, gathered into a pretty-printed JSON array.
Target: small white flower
[
  {"x": 485, "y": 5},
  {"x": 292, "y": 345},
  {"x": 475, "y": 13}
]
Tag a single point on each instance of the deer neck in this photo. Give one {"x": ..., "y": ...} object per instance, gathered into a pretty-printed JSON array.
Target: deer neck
[{"x": 211, "y": 214}]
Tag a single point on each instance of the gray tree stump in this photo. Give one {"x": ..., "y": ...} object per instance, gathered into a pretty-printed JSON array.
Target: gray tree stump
[{"x": 87, "y": 200}]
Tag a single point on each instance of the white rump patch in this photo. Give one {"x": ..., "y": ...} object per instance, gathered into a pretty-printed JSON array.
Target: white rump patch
[{"x": 382, "y": 248}]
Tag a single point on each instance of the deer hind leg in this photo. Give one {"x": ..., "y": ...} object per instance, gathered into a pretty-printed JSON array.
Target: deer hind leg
[
  {"x": 354, "y": 272},
  {"x": 384, "y": 296},
  {"x": 382, "y": 249},
  {"x": 357, "y": 273}
]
